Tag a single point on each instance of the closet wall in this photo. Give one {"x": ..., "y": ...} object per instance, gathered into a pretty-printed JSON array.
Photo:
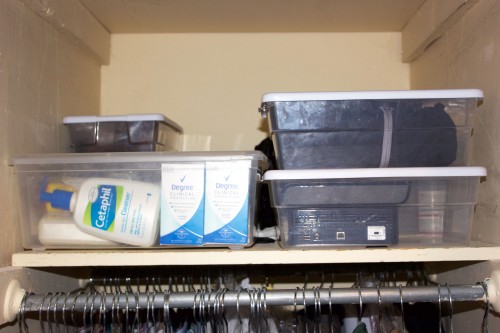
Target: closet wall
[
  {"x": 44, "y": 75},
  {"x": 48, "y": 72},
  {"x": 466, "y": 56},
  {"x": 212, "y": 83}
]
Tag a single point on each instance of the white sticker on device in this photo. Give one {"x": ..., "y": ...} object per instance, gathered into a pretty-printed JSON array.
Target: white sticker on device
[{"x": 376, "y": 233}]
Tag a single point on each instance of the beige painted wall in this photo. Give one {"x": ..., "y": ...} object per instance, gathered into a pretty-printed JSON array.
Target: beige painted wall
[
  {"x": 212, "y": 84},
  {"x": 467, "y": 56},
  {"x": 43, "y": 77}
]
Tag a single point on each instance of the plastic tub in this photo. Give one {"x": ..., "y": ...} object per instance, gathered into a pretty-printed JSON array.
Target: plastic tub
[
  {"x": 50, "y": 172},
  {"x": 147, "y": 132},
  {"x": 370, "y": 129},
  {"x": 375, "y": 206}
]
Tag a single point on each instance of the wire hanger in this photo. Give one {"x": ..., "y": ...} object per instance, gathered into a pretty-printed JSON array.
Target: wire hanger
[
  {"x": 23, "y": 326},
  {"x": 166, "y": 312},
  {"x": 487, "y": 309},
  {"x": 379, "y": 298},
  {"x": 439, "y": 307},
  {"x": 238, "y": 313},
  {"x": 402, "y": 308},
  {"x": 63, "y": 314},
  {"x": 451, "y": 307}
]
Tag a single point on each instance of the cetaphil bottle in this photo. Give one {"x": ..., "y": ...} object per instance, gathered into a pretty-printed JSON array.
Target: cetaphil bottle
[{"x": 123, "y": 211}]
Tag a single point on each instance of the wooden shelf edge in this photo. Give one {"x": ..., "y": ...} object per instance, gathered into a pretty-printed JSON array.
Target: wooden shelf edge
[{"x": 255, "y": 256}]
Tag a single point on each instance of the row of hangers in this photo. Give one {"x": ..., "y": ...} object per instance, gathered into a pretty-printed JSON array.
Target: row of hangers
[{"x": 127, "y": 304}]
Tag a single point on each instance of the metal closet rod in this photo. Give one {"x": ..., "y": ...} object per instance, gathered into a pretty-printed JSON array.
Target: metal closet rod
[{"x": 102, "y": 301}]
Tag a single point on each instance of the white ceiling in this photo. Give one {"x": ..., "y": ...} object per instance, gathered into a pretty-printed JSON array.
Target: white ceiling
[{"x": 157, "y": 16}]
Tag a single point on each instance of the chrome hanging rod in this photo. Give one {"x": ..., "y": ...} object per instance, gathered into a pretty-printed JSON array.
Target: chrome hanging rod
[{"x": 99, "y": 301}]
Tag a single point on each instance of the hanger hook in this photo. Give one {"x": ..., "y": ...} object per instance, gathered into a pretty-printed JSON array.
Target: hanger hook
[
  {"x": 238, "y": 314},
  {"x": 295, "y": 307},
  {"x": 115, "y": 307},
  {"x": 63, "y": 314},
  {"x": 84, "y": 314},
  {"x": 128, "y": 288},
  {"x": 153, "y": 306},
  {"x": 487, "y": 310},
  {"x": 360, "y": 305},
  {"x": 136, "y": 322},
  {"x": 317, "y": 307},
  {"x": 330, "y": 310},
  {"x": 213, "y": 316},
  {"x": 23, "y": 325},
  {"x": 166, "y": 311},
  {"x": 126, "y": 310},
  {"x": 223, "y": 310},
  {"x": 264, "y": 304},
  {"x": 94, "y": 294},
  {"x": 56, "y": 322},
  {"x": 251, "y": 320},
  {"x": 209, "y": 313},
  {"x": 195, "y": 316},
  {"x": 305, "y": 306},
  {"x": 402, "y": 307},
  {"x": 439, "y": 306},
  {"x": 102, "y": 310},
  {"x": 148, "y": 303},
  {"x": 52, "y": 295},
  {"x": 451, "y": 307},
  {"x": 75, "y": 324},
  {"x": 42, "y": 325},
  {"x": 379, "y": 297}
]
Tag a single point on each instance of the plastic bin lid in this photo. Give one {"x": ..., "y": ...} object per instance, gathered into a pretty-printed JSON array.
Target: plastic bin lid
[
  {"x": 375, "y": 173},
  {"x": 122, "y": 118},
  {"x": 135, "y": 157},
  {"x": 382, "y": 94}
]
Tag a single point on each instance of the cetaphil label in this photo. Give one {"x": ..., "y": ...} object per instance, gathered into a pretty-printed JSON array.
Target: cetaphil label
[
  {"x": 226, "y": 202},
  {"x": 182, "y": 204},
  {"x": 104, "y": 200}
]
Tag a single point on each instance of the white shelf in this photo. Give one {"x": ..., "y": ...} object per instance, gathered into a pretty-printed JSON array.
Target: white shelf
[{"x": 259, "y": 254}]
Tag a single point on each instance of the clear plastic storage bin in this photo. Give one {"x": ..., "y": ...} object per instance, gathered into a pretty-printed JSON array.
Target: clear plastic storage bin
[
  {"x": 371, "y": 129},
  {"x": 147, "y": 132},
  {"x": 45, "y": 226},
  {"x": 375, "y": 206}
]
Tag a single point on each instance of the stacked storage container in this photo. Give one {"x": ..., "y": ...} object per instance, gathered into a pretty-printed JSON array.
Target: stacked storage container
[
  {"x": 373, "y": 168},
  {"x": 125, "y": 186}
]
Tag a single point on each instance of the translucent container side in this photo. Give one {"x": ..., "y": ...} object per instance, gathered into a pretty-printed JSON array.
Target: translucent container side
[
  {"x": 32, "y": 177},
  {"x": 375, "y": 212},
  {"x": 315, "y": 134},
  {"x": 116, "y": 136},
  {"x": 368, "y": 114},
  {"x": 71, "y": 161}
]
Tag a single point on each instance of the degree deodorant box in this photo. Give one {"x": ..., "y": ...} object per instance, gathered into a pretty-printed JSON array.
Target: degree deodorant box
[
  {"x": 160, "y": 199},
  {"x": 209, "y": 199}
]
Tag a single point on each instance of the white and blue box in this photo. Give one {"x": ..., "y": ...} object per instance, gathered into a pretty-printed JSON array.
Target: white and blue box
[
  {"x": 227, "y": 188},
  {"x": 210, "y": 198},
  {"x": 182, "y": 203}
]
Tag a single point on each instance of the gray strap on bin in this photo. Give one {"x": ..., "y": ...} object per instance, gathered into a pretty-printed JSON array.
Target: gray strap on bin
[{"x": 387, "y": 138}]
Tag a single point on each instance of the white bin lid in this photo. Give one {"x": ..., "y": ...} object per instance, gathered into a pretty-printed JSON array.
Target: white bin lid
[
  {"x": 370, "y": 95},
  {"x": 136, "y": 157},
  {"x": 374, "y": 173},
  {"x": 121, "y": 118}
]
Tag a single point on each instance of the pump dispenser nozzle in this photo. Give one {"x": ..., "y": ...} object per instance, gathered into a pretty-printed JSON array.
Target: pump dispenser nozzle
[{"x": 59, "y": 199}]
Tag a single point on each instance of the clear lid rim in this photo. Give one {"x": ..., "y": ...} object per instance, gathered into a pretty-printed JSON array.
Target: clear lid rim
[
  {"x": 371, "y": 95},
  {"x": 415, "y": 172}
]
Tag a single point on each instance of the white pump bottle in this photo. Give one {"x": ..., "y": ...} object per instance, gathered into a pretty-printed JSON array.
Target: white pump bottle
[{"x": 123, "y": 211}]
